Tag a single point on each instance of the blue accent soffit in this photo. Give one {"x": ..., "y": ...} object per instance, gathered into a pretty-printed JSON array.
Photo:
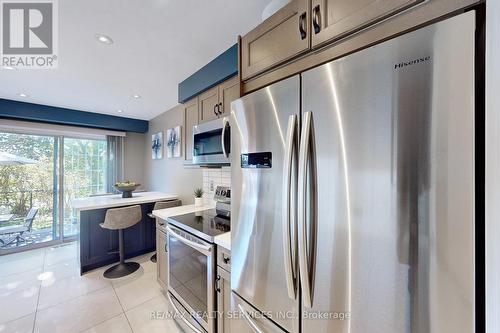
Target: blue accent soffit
[
  {"x": 218, "y": 70},
  {"x": 54, "y": 115}
]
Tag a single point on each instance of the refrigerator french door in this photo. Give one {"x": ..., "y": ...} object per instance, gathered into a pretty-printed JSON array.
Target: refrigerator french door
[{"x": 353, "y": 192}]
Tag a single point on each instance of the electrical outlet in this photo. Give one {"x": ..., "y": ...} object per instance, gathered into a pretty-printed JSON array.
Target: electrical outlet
[{"x": 211, "y": 186}]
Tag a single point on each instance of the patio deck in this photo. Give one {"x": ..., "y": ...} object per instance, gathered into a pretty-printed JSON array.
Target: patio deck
[{"x": 40, "y": 236}]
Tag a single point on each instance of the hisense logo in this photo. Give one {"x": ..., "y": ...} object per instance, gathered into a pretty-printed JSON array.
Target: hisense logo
[{"x": 411, "y": 62}]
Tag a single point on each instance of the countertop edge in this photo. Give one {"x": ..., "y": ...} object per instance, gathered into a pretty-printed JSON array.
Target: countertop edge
[
  {"x": 155, "y": 196},
  {"x": 224, "y": 240}
]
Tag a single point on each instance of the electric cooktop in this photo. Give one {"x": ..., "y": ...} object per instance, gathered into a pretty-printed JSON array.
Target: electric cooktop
[{"x": 205, "y": 224}]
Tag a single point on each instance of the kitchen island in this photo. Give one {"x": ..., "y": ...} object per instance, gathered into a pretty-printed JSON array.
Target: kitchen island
[{"x": 98, "y": 246}]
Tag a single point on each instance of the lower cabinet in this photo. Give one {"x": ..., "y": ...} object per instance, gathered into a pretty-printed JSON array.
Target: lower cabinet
[
  {"x": 223, "y": 288},
  {"x": 99, "y": 246},
  {"x": 161, "y": 257}
]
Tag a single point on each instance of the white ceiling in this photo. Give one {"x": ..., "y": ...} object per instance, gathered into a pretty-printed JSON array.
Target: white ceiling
[{"x": 157, "y": 44}]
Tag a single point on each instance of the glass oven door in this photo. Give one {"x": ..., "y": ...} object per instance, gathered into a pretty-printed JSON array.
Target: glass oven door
[{"x": 191, "y": 275}]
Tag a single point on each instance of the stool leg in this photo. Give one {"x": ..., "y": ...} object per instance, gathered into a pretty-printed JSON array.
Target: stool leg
[
  {"x": 122, "y": 246},
  {"x": 123, "y": 268}
]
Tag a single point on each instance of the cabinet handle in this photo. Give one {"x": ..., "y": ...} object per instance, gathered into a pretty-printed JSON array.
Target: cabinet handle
[
  {"x": 215, "y": 109},
  {"x": 221, "y": 111},
  {"x": 316, "y": 19},
  {"x": 166, "y": 250},
  {"x": 226, "y": 259},
  {"x": 302, "y": 29},
  {"x": 217, "y": 284}
]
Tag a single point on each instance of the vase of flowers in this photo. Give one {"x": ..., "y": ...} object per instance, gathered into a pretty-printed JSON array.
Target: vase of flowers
[{"x": 198, "y": 197}]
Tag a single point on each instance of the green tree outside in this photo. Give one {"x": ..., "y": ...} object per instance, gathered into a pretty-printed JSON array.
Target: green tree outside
[{"x": 23, "y": 186}]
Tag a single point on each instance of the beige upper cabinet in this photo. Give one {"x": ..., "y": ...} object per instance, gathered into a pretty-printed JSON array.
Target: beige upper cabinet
[
  {"x": 228, "y": 92},
  {"x": 190, "y": 120},
  {"x": 208, "y": 104},
  {"x": 216, "y": 102},
  {"x": 281, "y": 37},
  {"x": 333, "y": 19},
  {"x": 212, "y": 104}
]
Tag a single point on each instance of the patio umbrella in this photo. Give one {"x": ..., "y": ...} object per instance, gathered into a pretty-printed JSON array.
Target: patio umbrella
[{"x": 11, "y": 159}]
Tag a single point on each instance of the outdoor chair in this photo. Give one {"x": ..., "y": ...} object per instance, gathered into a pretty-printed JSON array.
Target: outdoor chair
[{"x": 12, "y": 233}]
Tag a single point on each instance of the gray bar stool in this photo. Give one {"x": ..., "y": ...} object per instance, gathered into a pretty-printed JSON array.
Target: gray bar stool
[
  {"x": 119, "y": 219},
  {"x": 163, "y": 205}
]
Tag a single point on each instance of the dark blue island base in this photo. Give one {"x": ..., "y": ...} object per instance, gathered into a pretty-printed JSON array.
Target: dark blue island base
[{"x": 99, "y": 247}]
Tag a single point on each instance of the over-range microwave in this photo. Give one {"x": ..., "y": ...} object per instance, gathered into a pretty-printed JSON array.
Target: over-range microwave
[{"x": 212, "y": 142}]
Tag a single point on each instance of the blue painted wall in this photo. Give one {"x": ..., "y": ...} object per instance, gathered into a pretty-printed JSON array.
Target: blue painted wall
[
  {"x": 218, "y": 70},
  {"x": 54, "y": 115}
]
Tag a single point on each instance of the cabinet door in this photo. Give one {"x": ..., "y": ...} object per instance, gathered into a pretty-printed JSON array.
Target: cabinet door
[
  {"x": 223, "y": 300},
  {"x": 161, "y": 258},
  {"x": 228, "y": 92},
  {"x": 333, "y": 19},
  {"x": 282, "y": 36},
  {"x": 190, "y": 120},
  {"x": 208, "y": 101}
]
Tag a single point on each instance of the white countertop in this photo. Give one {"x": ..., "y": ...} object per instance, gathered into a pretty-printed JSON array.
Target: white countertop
[
  {"x": 116, "y": 200},
  {"x": 223, "y": 240}
]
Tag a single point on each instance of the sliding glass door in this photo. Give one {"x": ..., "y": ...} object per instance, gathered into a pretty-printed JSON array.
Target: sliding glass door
[
  {"x": 39, "y": 177},
  {"x": 29, "y": 190},
  {"x": 85, "y": 166}
]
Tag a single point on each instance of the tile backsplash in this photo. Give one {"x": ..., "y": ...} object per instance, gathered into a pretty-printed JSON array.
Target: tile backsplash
[{"x": 213, "y": 178}]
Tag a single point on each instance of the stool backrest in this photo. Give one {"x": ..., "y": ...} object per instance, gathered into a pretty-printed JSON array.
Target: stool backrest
[
  {"x": 122, "y": 218},
  {"x": 167, "y": 204}
]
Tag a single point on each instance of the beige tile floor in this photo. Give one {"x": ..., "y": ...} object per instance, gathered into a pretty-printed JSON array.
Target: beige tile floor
[{"x": 42, "y": 291}]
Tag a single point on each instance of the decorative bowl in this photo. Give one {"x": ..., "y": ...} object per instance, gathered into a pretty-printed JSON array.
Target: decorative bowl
[{"x": 126, "y": 188}]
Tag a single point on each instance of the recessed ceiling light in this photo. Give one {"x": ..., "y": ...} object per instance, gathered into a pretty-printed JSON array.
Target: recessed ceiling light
[
  {"x": 119, "y": 111},
  {"x": 8, "y": 68},
  {"x": 22, "y": 95},
  {"x": 136, "y": 96},
  {"x": 104, "y": 39}
]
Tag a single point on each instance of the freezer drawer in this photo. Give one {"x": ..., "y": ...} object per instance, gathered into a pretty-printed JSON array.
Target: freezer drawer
[{"x": 247, "y": 319}]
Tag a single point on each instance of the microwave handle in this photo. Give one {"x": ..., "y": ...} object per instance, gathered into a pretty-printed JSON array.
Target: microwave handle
[{"x": 223, "y": 139}]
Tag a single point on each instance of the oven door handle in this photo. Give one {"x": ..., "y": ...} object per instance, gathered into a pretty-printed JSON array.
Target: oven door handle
[
  {"x": 202, "y": 248},
  {"x": 179, "y": 314}
]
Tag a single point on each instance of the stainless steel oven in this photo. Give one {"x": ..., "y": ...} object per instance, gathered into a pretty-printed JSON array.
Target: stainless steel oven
[
  {"x": 211, "y": 142},
  {"x": 191, "y": 267}
]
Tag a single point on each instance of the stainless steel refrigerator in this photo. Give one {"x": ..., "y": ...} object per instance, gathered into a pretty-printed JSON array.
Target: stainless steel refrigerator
[{"x": 353, "y": 192}]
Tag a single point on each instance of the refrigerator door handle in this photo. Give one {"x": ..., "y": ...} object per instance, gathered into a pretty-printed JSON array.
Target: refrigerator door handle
[
  {"x": 289, "y": 218},
  {"x": 307, "y": 167}
]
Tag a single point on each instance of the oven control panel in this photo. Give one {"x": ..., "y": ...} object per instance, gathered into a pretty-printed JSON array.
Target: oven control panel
[{"x": 222, "y": 194}]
